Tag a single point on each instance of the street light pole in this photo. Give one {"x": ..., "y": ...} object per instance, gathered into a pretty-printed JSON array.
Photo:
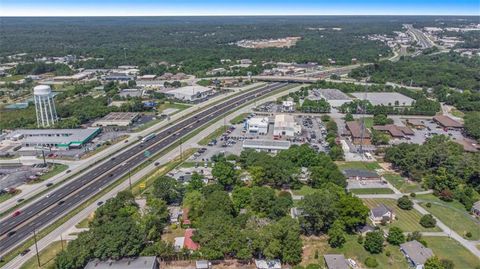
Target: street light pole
[{"x": 36, "y": 247}]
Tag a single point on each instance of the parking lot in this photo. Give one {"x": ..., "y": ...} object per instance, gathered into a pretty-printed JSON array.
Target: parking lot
[{"x": 431, "y": 128}]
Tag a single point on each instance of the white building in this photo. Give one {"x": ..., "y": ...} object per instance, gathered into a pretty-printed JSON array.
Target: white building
[
  {"x": 44, "y": 106},
  {"x": 288, "y": 106},
  {"x": 285, "y": 125},
  {"x": 190, "y": 93},
  {"x": 258, "y": 125}
]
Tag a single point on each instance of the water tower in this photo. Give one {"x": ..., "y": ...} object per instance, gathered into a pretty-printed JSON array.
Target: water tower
[{"x": 44, "y": 106}]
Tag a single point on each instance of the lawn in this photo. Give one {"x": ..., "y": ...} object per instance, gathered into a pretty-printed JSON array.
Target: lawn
[
  {"x": 304, "y": 190},
  {"x": 447, "y": 248},
  {"x": 401, "y": 184},
  {"x": 239, "y": 119},
  {"x": 47, "y": 256},
  {"x": 12, "y": 78},
  {"x": 359, "y": 165},
  {"x": 351, "y": 249},
  {"x": 454, "y": 217},
  {"x": 407, "y": 220},
  {"x": 368, "y": 122},
  {"x": 213, "y": 135},
  {"x": 371, "y": 191},
  {"x": 168, "y": 105},
  {"x": 54, "y": 170},
  {"x": 457, "y": 113},
  {"x": 6, "y": 196}
]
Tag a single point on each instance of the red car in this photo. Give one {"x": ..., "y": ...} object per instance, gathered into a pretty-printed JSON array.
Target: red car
[{"x": 16, "y": 213}]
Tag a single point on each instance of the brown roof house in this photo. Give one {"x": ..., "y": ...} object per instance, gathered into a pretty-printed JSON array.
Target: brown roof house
[{"x": 356, "y": 131}]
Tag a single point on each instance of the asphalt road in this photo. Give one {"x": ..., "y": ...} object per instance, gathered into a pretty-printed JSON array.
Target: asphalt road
[{"x": 36, "y": 216}]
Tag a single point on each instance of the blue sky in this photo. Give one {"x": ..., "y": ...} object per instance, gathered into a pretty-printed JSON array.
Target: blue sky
[{"x": 235, "y": 7}]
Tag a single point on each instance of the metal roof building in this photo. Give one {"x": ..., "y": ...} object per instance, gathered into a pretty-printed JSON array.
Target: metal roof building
[
  {"x": 117, "y": 119},
  {"x": 335, "y": 261},
  {"x": 266, "y": 145},
  {"x": 60, "y": 138},
  {"x": 190, "y": 93},
  {"x": 148, "y": 262}
]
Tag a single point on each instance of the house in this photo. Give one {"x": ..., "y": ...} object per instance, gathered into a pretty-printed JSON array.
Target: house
[
  {"x": 268, "y": 264},
  {"x": 149, "y": 262},
  {"x": 447, "y": 122},
  {"x": 363, "y": 230},
  {"x": 416, "y": 123},
  {"x": 360, "y": 174},
  {"x": 360, "y": 135},
  {"x": 335, "y": 261},
  {"x": 416, "y": 253},
  {"x": 381, "y": 213},
  {"x": 185, "y": 241},
  {"x": 296, "y": 212},
  {"x": 175, "y": 213},
  {"x": 476, "y": 209},
  {"x": 203, "y": 264}
]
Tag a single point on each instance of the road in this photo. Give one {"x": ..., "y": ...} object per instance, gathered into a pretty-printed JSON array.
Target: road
[
  {"x": 31, "y": 190},
  {"x": 39, "y": 214},
  {"x": 422, "y": 39},
  {"x": 65, "y": 229}
]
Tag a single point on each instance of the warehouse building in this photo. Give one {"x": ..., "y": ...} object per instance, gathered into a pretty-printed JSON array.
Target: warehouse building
[
  {"x": 125, "y": 93},
  {"x": 54, "y": 138},
  {"x": 266, "y": 145},
  {"x": 117, "y": 119},
  {"x": 285, "y": 125},
  {"x": 190, "y": 93},
  {"x": 258, "y": 125},
  {"x": 447, "y": 122}
]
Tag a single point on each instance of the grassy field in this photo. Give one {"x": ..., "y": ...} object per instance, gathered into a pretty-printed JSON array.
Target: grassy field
[
  {"x": 352, "y": 249},
  {"x": 239, "y": 119},
  {"x": 371, "y": 191},
  {"x": 401, "y": 184},
  {"x": 47, "y": 256},
  {"x": 305, "y": 190},
  {"x": 213, "y": 135},
  {"x": 6, "y": 196},
  {"x": 457, "y": 113},
  {"x": 447, "y": 248},
  {"x": 56, "y": 169},
  {"x": 168, "y": 105},
  {"x": 12, "y": 78},
  {"x": 453, "y": 215},
  {"x": 359, "y": 165},
  {"x": 407, "y": 220}
]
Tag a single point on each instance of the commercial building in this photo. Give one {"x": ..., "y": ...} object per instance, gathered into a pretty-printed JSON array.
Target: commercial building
[
  {"x": 416, "y": 253},
  {"x": 55, "y": 138},
  {"x": 394, "y": 130},
  {"x": 335, "y": 261},
  {"x": 148, "y": 262},
  {"x": 360, "y": 174},
  {"x": 257, "y": 125},
  {"x": 117, "y": 119},
  {"x": 359, "y": 134},
  {"x": 44, "y": 106},
  {"x": 334, "y": 97},
  {"x": 119, "y": 77},
  {"x": 288, "y": 106},
  {"x": 447, "y": 122},
  {"x": 285, "y": 125},
  {"x": 190, "y": 93},
  {"x": 266, "y": 145},
  {"x": 131, "y": 93}
]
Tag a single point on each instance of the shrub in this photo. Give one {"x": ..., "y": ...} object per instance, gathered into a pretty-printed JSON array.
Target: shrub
[
  {"x": 360, "y": 239},
  {"x": 413, "y": 195},
  {"x": 446, "y": 195},
  {"x": 388, "y": 253},
  {"x": 468, "y": 234},
  {"x": 428, "y": 221},
  {"x": 405, "y": 203},
  {"x": 371, "y": 262},
  {"x": 428, "y": 205},
  {"x": 395, "y": 236},
  {"x": 374, "y": 242}
]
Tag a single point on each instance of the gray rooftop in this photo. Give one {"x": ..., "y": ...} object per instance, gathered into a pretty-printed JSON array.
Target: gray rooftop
[
  {"x": 266, "y": 144},
  {"x": 335, "y": 261},
  {"x": 416, "y": 252},
  {"x": 359, "y": 173},
  {"x": 476, "y": 205},
  {"x": 380, "y": 210},
  {"x": 54, "y": 136},
  {"x": 148, "y": 262}
]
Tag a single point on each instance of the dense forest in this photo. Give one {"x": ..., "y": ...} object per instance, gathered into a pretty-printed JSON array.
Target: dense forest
[{"x": 444, "y": 69}]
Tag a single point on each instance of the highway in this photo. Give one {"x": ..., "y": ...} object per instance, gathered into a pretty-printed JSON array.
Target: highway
[
  {"x": 37, "y": 215},
  {"x": 422, "y": 39}
]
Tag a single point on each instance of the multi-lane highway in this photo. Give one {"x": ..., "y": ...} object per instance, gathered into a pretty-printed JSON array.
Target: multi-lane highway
[
  {"x": 37, "y": 215},
  {"x": 422, "y": 39}
]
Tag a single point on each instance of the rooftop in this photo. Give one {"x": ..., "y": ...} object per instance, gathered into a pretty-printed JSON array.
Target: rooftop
[
  {"x": 54, "y": 136},
  {"x": 394, "y": 130},
  {"x": 148, "y": 262},
  {"x": 335, "y": 261},
  {"x": 266, "y": 144},
  {"x": 359, "y": 173},
  {"x": 355, "y": 129},
  {"x": 189, "y": 90},
  {"x": 380, "y": 210},
  {"x": 417, "y": 252},
  {"x": 446, "y": 121},
  {"x": 120, "y": 116}
]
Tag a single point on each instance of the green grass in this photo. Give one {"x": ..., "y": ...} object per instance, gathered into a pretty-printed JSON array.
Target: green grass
[
  {"x": 57, "y": 169},
  {"x": 454, "y": 217},
  {"x": 351, "y": 249},
  {"x": 168, "y": 105},
  {"x": 457, "y": 113},
  {"x": 359, "y": 165},
  {"x": 371, "y": 191},
  {"x": 83, "y": 224},
  {"x": 368, "y": 122},
  {"x": 47, "y": 256},
  {"x": 12, "y": 78},
  {"x": 239, "y": 119},
  {"x": 407, "y": 220},
  {"x": 304, "y": 190},
  {"x": 401, "y": 184},
  {"x": 447, "y": 248},
  {"x": 6, "y": 196},
  {"x": 213, "y": 135}
]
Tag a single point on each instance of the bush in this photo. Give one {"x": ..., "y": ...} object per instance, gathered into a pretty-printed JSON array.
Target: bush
[
  {"x": 360, "y": 239},
  {"x": 428, "y": 205},
  {"x": 428, "y": 221},
  {"x": 374, "y": 242},
  {"x": 405, "y": 203},
  {"x": 413, "y": 195},
  {"x": 395, "y": 236},
  {"x": 468, "y": 235},
  {"x": 388, "y": 253},
  {"x": 371, "y": 262}
]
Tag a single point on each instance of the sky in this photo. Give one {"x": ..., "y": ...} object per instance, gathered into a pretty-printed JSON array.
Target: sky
[{"x": 236, "y": 7}]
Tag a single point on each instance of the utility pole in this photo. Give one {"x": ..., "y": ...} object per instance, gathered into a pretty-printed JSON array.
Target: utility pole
[
  {"x": 130, "y": 178},
  {"x": 181, "y": 152},
  {"x": 61, "y": 241},
  {"x": 36, "y": 247}
]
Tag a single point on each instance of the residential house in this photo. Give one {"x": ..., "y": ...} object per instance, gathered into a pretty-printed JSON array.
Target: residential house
[
  {"x": 476, "y": 209},
  {"x": 335, "y": 261},
  {"x": 416, "y": 253},
  {"x": 381, "y": 213},
  {"x": 268, "y": 264}
]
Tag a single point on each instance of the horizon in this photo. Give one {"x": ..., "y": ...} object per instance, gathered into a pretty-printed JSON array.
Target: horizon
[{"x": 192, "y": 8}]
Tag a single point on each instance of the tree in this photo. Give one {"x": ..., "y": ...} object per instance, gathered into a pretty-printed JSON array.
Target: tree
[
  {"x": 395, "y": 236},
  {"x": 380, "y": 138},
  {"x": 225, "y": 174},
  {"x": 373, "y": 242},
  {"x": 371, "y": 262},
  {"x": 241, "y": 197},
  {"x": 472, "y": 124},
  {"x": 447, "y": 264},
  {"x": 433, "y": 263},
  {"x": 155, "y": 218},
  {"x": 352, "y": 211},
  {"x": 381, "y": 119},
  {"x": 405, "y": 203},
  {"x": 195, "y": 202},
  {"x": 349, "y": 117},
  {"x": 428, "y": 221},
  {"x": 336, "y": 235},
  {"x": 196, "y": 182},
  {"x": 168, "y": 189},
  {"x": 262, "y": 200},
  {"x": 319, "y": 211}
]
